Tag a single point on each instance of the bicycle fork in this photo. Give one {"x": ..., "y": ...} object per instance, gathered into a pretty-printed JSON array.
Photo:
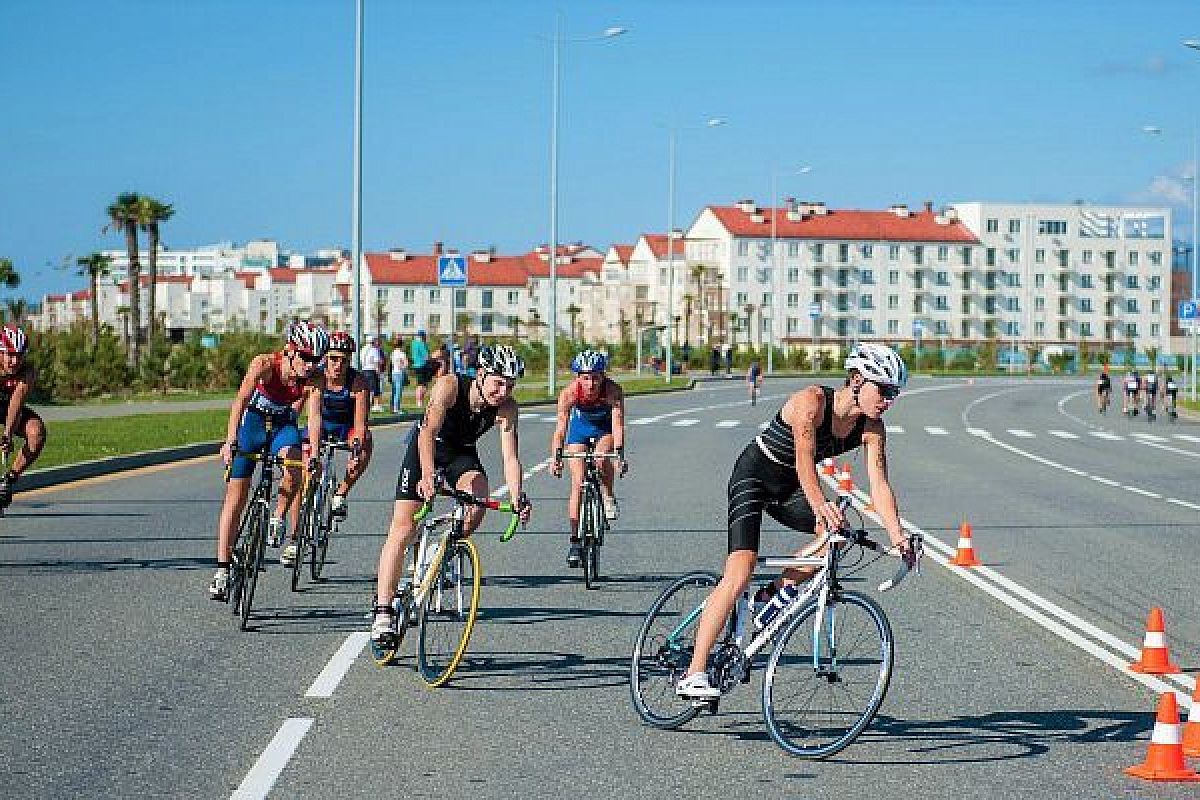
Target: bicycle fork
[{"x": 825, "y": 638}]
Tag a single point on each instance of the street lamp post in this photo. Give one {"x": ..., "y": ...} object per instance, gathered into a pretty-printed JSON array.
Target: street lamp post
[
  {"x": 776, "y": 280},
  {"x": 667, "y": 334},
  {"x": 556, "y": 82},
  {"x": 356, "y": 211}
]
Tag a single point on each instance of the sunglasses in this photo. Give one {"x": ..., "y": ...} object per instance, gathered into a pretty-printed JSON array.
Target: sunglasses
[
  {"x": 887, "y": 392},
  {"x": 307, "y": 358}
]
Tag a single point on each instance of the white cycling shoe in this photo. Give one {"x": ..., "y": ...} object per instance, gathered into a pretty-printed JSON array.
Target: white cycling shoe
[
  {"x": 611, "y": 509},
  {"x": 288, "y": 557},
  {"x": 696, "y": 687}
]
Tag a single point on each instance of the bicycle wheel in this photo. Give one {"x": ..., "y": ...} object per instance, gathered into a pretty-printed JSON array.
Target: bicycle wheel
[
  {"x": 448, "y": 613},
  {"x": 664, "y": 648},
  {"x": 322, "y": 528},
  {"x": 305, "y": 532},
  {"x": 237, "y": 564},
  {"x": 587, "y": 535},
  {"x": 255, "y": 549},
  {"x": 817, "y": 703}
]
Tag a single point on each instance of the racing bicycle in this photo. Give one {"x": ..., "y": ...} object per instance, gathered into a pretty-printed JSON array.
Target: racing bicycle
[
  {"x": 829, "y": 668},
  {"x": 593, "y": 522},
  {"x": 317, "y": 523},
  {"x": 441, "y": 594}
]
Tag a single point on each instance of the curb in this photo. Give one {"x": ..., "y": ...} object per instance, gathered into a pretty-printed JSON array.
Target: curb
[{"x": 67, "y": 473}]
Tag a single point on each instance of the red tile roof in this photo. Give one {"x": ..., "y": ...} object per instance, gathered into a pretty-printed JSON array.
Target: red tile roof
[
  {"x": 86, "y": 294},
  {"x": 248, "y": 278},
  {"x": 421, "y": 270},
  {"x": 624, "y": 252},
  {"x": 658, "y": 244},
  {"x": 59, "y": 298},
  {"x": 412, "y": 270},
  {"x": 919, "y": 226},
  {"x": 144, "y": 281}
]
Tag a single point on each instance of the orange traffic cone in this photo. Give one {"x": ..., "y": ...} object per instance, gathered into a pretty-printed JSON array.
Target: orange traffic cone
[
  {"x": 1155, "y": 660},
  {"x": 965, "y": 557},
  {"x": 1164, "y": 760},
  {"x": 827, "y": 467},
  {"x": 845, "y": 482},
  {"x": 1191, "y": 731}
]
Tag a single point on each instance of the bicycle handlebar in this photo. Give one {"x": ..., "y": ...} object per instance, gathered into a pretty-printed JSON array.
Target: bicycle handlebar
[
  {"x": 862, "y": 538},
  {"x": 468, "y": 499}
]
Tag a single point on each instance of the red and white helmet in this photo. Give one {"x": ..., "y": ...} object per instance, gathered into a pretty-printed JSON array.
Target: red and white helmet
[
  {"x": 13, "y": 340},
  {"x": 342, "y": 342},
  {"x": 308, "y": 338}
]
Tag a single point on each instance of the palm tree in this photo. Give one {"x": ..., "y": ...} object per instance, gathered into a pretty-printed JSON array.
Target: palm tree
[
  {"x": 16, "y": 310},
  {"x": 124, "y": 217},
  {"x": 573, "y": 311},
  {"x": 9, "y": 278},
  {"x": 514, "y": 322},
  {"x": 151, "y": 213},
  {"x": 94, "y": 267},
  {"x": 688, "y": 301},
  {"x": 699, "y": 272}
]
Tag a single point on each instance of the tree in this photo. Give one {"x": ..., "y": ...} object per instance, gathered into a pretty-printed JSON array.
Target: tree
[
  {"x": 699, "y": 272},
  {"x": 94, "y": 267},
  {"x": 514, "y": 323},
  {"x": 16, "y": 310},
  {"x": 124, "y": 217},
  {"x": 9, "y": 278},
  {"x": 688, "y": 300},
  {"x": 151, "y": 213},
  {"x": 749, "y": 308},
  {"x": 573, "y": 311}
]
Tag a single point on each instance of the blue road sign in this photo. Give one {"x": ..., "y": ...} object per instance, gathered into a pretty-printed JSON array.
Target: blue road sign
[
  {"x": 918, "y": 327},
  {"x": 452, "y": 271},
  {"x": 1189, "y": 309},
  {"x": 814, "y": 310}
]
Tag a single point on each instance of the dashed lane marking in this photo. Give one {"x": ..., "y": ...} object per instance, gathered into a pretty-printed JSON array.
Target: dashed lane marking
[
  {"x": 1112, "y": 437},
  {"x": 978, "y": 432},
  {"x": 1142, "y": 492},
  {"x": 1020, "y": 433},
  {"x": 1149, "y": 437},
  {"x": 684, "y": 423},
  {"x": 1064, "y": 434},
  {"x": 1187, "y": 438},
  {"x": 339, "y": 665},
  {"x": 894, "y": 429},
  {"x": 262, "y": 776},
  {"x": 729, "y": 423},
  {"x": 936, "y": 431}
]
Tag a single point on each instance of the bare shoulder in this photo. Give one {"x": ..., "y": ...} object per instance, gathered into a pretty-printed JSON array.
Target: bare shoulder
[
  {"x": 806, "y": 404},
  {"x": 615, "y": 393}
]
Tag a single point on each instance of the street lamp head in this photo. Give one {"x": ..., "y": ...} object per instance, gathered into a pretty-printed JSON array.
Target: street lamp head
[
  {"x": 804, "y": 170},
  {"x": 1192, "y": 43},
  {"x": 615, "y": 30},
  {"x": 715, "y": 122},
  {"x": 1151, "y": 129}
]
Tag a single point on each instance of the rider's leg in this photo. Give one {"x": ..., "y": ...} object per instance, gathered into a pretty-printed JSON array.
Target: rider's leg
[
  {"x": 739, "y": 567},
  {"x": 232, "y": 506},
  {"x": 289, "y": 490},
  {"x": 474, "y": 482},
  {"x": 34, "y": 432},
  {"x": 575, "y": 498},
  {"x": 608, "y": 468},
  {"x": 364, "y": 461}
]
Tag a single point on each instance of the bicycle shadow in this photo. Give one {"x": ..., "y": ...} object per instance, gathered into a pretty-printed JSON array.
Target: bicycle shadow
[
  {"x": 532, "y": 615},
  {"x": 547, "y": 671},
  {"x": 96, "y": 566},
  {"x": 307, "y": 621},
  {"x": 574, "y": 578}
]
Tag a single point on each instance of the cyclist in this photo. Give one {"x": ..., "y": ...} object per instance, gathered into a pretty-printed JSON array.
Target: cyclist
[
  {"x": 777, "y": 473},
  {"x": 1103, "y": 389},
  {"x": 1150, "y": 387},
  {"x": 1132, "y": 384},
  {"x": 345, "y": 399},
  {"x": 17, "y": 379},
  {"x": 460, "y": 411},
  {"x": 273, "y": 382},
  {"x": 1170, "y": 395},
  {"x": 754, "y": 380},
  {"x": 590, "y": 408}
]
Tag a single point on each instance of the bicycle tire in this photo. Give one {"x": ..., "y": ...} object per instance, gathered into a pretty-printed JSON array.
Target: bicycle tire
[
  {"x": 237, "y": 564},
  {"x": 587, "y": 535},
  {"x": 599, "y": 520},
  {"x": 323, "y": 530},
  {"x": 657, "y": 666},
  {"x": 304, "y": 533},
  {"x": 840, "y": 730},
  {"x": 255, "y": 550},
  {"x": 448, "y": 614}
]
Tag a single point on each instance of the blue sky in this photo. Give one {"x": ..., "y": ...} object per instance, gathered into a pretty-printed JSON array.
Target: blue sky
[{"x": 239, "y": 113}]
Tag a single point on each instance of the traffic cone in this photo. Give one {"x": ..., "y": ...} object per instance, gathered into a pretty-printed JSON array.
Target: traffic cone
[
  {"x": 1164, "y": 759},
  {"x": 965, "y": 557},
  {"x": 827, "y": 467},
  {"x": 1191, "y": 731},
  {"x": 845, "y": 485},
  {"x": 1155, "y": 660}
]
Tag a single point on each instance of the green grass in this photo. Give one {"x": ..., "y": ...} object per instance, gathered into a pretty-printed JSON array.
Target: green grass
[
  {"x": 73, "y": 441},
  {"x": 173, "y": 396}
]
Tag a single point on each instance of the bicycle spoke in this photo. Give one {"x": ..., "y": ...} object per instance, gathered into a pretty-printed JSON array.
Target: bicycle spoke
[{"x": 448, "y": 614}]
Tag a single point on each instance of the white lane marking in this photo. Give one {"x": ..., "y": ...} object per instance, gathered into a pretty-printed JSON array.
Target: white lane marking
[
  {"x": 1064, "y": 434},
  {"x": 762, "y": 426},
  {"x": 729, "y": 423},
  {"x": 1112, "y": 437},
  {"x": 1142, "y": 492},
  {"x": 526, "y": 475},
  {"x": 1020, "y": 434},
  {"x": 1168, "y": 448},
  {"x": 935, "y": 431},
  {"x": 1000, "y": 588},
  {"x": 684, "y": 423},
  {"x": 1185, "y": 437},
  {"x": 529, "y": 415},
  {"x": 270, "y": 764},
  {"x": 978, "y": 432},
  {"x": 1149, "y": 437},
  {"x": 1062, "y": 402},
  {"x": 338, "y": 665},
  {"x": 643, "y": 420},
  {"x": 894, "y": 429},
  {"x": 1183, "y": 503},
  {"x": 1106, "y": 481}
]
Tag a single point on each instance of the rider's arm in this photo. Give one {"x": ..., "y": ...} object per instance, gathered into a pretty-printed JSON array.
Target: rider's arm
[
  {"x": 28, "y": 377},
  {"x": 617, "y": 402},
  {"x": 259, "y": 367},
  {"x": 362, "y": 405},
  {"x": 441, "y": 399},
  {"x": 314, "y": 413},
  {"x": 882, "y": 496},
  {"x": 565, "y": 403},
  {"x": 506, "y": 421}
]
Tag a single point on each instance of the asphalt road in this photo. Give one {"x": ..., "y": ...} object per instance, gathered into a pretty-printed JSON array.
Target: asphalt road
[{"x": 122, "y": 679}]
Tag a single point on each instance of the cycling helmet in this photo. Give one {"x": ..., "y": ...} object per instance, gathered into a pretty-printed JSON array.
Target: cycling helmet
[
  {"x": 501, "y": 360},
  {"x": 308, "y": 338},
  {"x": 879, "y": 364},
  {"x": 13, "y": 340},
  {"x": 342, "y": 342},
  {"x": 589, "y": 361}
]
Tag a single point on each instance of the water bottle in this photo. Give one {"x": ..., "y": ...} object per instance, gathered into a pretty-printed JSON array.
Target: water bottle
[
  {"x": 786, "y": 594},
  {"x": 742, "y": 613}
]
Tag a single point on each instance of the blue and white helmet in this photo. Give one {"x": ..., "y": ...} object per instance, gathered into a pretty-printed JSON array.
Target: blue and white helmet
[
  {"x": 589, "y": 361},
  {"x": 878, "y": 363}
]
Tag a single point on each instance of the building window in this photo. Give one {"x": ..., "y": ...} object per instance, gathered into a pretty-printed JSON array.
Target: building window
[
  {"x": 918, "y": 280},
  {"x": 1110, "y": 259},
  {"x": 866, "y": 277},
  {"x": 1063, "y": 255},
  {"x": 1155, "y": 257},
  {"x": 989, "y": 304},
  {"x": 407, "y": 321},
  {"x": 1085, "y": 329},
  {"x": 818, "y": 277},
  {"x": 965, "y": 254},
  {"x": 766, "y": 300},
  {"x": 1131, "y": 305},
  {"x": 1039, "y": 256},
  {"x": 1039, "y": 281},
  {"x": 743, "y": 275},
  {"x": 893, "y": 302},
  {"x": 486, "y": 323},
  {"x": 793, "y": 300},
  {"x": 513, "y": 297},
  {"x": 1014, "y": 226},
  {"x": 1014, "y": 255},
  {"x": 942, "y": 279},
  {"x": 743, "y": 247},
  {"x": 793, "y": 326},
  {"x": 435, "y": 322},
  {"x": 741, "y": 299},
  {"x": 966, "y": 282},
  {"x": 793, "y": 274},
  {"x": 941, "y": 303},
  {"x": 993, "y": 225},
  {"x": 843, "y": 253},
  {"x": 1155, "y": 306},
  {"x": 1086, "y": 282},
  {"x": 1039, "y": 329},
  {"x": 1039, "y": 304},
  {"x": 818, "y": 252},
  {"x": 1131, "y": 281},
  {"x": 893, "y": 326},
  {"x": 919, "y": 254},
  {"x": 460, "y": 298},
  {"x": 918, "y": 305},
  {"x": 1052, "y": 227},
  {"x": 793, "y": 249},
  {"x": 1154, "y": 283},
  {"x": 1133, "y": 258},
  {"x": 989, "y": 257},
  {"x": 1086, "y": 257},
  {"x": 1013, "y": 303},
  {"x": 1085, "y": 305},
  {"x": 1013, "y": 279},
  {"x": 894, "y": 252},
  {"x": 893, "y": 277},
  {"x": 486, "y": 299},
  {"x": 1131, "y": 330},
  {"x": 866, "y": 302},
  {"x": 867, "y": 251},
  {"x": 435, "y": 295},
  {"x": 641, "y": 293},
  {"x": 941, "y": 328},
  {"x": 843, "y": 278},
  {"x": 866, "y": 326},
  {"x": 1012, "y": 328},
  {"x": 943, "y": 252},
  {"x": 1154, "y": 328},
  {"x": 410, "y": 296}
]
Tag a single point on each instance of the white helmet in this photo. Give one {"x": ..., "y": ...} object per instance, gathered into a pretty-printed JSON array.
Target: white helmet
[
  {"x": 501, "y": 360},
  {"x": 308, "y": 338},
  {"x": 878, "y": 363}
]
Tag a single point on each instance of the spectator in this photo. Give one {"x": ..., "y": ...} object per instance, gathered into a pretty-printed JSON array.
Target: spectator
[
  {"x": 418, "y": 354},
  {"x": 471, "y": 356},
  {"x": 371, "y": 359},
  {"x": 714, "y": 361},
  {"x": 399, "y": 360},
  {"x": 729, "y": 360}
]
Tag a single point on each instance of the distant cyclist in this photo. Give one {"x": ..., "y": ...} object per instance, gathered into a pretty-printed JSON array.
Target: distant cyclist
[
  {"x": 461, "y": 410},
  {"x": 590, "y": 408},
  {"x": 1133, "y": 384},
  {"x": 272, "y": 385},
  {"x": 1170, "y": 395},
  {"x": 777, "y": 473},
  {"x": 1103, "y": 390},
  {"x": 17, "y": 379},
  {"x": 754, "y": 380},
  {"x": 1150, "y": 396}
]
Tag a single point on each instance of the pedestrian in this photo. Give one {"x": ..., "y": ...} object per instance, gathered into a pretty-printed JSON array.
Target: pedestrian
[
  {"x": 714, "y": 361},
  {"x": 399, "y": 361},
  {"x": 728, "y": 361},
  {"x": 371, "y": 359},
  {"x": 418, "y": 359}
]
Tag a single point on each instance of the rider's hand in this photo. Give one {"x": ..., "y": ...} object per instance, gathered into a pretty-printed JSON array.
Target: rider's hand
[
  {"x": 556, "y": 467},
  {"x": 355, "y": 455},
  {"x": 227, "y": 453},
  {"x": 524, "y": 509},
  {"x": 622, "y": 464},
  {"x": 905, "y": 548},
  {"x": 6, "y": 443},
  {"x": 425, "y": 488},
  {"x": 830, "y": 516}
]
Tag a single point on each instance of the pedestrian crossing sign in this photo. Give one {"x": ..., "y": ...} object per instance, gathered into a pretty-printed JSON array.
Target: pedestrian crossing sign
[{"x": 452, "y": 270}]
